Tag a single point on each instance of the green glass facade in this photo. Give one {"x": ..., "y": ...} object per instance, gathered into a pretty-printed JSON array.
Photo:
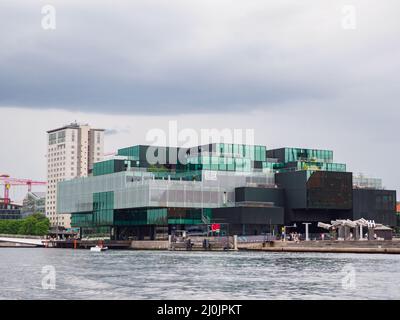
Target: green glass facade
[
  {"x": 140, "y": 216},
  {"x": 224, "y": 157},
  {"x": 216, "y": 163},
  {"x": 103, "y": 208},
  {"x": 102, "y": 214},
  {"x": 103, "y": 167},
  {"x": 295, "y": 159},
  {"x": 143, "y": 216},
  {"x": 82, "y": 219},
  {"x": 132, "y": 153},
  {"x": 254, "y": 153},
  {"x": 310, "y": 166},
  {"x": 296, "y": 154}
]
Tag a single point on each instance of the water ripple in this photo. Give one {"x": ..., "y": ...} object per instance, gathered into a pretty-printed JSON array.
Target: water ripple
[{"x": 81, "y": 274}]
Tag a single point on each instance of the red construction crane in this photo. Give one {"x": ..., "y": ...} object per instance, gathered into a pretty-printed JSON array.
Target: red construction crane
[{"x": 8, "y": 182}]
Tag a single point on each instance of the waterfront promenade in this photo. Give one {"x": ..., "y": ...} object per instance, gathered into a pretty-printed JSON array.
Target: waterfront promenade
[
  {"x": 226, "y": 244},
  {"x": 326, "y": 246}
]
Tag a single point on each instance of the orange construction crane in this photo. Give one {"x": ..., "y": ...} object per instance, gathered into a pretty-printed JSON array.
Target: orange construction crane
[{"x": 8, "y": 182}]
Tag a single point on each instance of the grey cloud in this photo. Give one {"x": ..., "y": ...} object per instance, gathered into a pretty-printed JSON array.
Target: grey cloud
[
  {"x": 111, "y": 132},
  {"x": 150, "y": 57}
]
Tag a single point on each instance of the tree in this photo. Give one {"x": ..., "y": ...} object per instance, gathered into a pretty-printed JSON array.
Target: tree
[
  {"x": 36, "y": 224},
  {"x": 42, "y": 227},
  {"x": 27, "y": 226}
]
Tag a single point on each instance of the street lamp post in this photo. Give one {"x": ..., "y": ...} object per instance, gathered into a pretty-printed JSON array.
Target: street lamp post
[{"x": 306, "y": 224}]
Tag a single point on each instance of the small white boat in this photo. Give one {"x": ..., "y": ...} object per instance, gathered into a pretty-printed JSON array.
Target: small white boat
[{"x": 98, "y": 248}]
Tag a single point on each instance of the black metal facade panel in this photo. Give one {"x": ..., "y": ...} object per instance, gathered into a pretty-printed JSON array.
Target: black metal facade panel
[
  {"x": 258, "y": 194},
  {"x": 324, "y": 196},
  {"x": 277, "y": 154},
  {"x": 330, "y": 190},
  {"x": 378, "y": 205},
  {"x": 322, "y": 190},
  {"x": 318, "y": 215},
  {"x": 119, "y": 165},
  {"x": 249, "y": 215},
  {"x": 294, "y": 184}
]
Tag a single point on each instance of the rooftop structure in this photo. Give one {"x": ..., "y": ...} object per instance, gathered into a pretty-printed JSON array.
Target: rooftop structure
[
  {"x": 34, "y": 202},
  {"x": 360, "y": 181}
]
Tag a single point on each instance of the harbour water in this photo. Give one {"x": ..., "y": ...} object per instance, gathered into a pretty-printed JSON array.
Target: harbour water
[{"x": 81, "y": 274}]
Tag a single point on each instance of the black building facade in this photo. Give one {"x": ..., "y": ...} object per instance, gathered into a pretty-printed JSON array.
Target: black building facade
[{"x": 378, "y": 205}]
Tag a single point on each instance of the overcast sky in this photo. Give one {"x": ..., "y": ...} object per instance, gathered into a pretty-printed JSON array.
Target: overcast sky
[{"x": 294, "y": 71}]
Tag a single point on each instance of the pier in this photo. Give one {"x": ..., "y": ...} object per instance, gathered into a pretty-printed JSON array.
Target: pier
[
  {"x": 87, "y": 244},
  {"x": 326, "y": 246},
  {"x": 7, "y": 240}
]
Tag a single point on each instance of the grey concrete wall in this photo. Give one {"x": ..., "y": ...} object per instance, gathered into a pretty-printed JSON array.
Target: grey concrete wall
[
  {"x": 149, "y": 245},
  {"x": 326, "y": 246}
]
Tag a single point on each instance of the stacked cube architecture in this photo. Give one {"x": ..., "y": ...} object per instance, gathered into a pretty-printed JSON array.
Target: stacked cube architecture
[{"x": 147, "y": 192}]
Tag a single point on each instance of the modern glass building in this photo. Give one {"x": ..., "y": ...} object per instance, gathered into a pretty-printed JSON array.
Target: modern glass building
[
  {"x": 9, "y": 211},
  {"x": 145, "y": 192}
]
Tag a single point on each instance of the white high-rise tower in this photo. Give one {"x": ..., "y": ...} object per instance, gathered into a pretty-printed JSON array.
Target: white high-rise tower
[{"x": 71, "y": 152}]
